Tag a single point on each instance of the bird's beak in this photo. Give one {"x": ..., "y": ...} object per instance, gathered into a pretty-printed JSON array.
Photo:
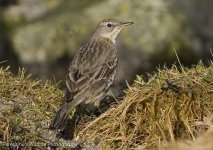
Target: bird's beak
[{"x": 123, "y": 24}]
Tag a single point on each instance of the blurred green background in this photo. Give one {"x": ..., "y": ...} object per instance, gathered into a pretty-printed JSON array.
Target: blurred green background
[{"x": 43, "y": 35}]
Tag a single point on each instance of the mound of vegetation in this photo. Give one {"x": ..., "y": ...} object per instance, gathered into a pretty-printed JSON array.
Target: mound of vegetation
[
  {"x": 174, "y": 104},
  {"x": 26, "y": 108},
  {"x": 170, "y": 106}
]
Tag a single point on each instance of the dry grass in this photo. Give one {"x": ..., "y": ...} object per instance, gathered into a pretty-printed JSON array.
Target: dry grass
[
  {"x": 203, "y": 142},
  {"x": 151, "y": 114},
  {"x": 26, "y": 107}
]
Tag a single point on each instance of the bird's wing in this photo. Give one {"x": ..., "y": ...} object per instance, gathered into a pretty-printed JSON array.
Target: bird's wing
[
  {"x": 78, "y": 80},
  {"x": 104, "y": 72}
]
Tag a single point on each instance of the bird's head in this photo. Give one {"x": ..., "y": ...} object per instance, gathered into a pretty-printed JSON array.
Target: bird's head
[{"x": 110, "y": 28}]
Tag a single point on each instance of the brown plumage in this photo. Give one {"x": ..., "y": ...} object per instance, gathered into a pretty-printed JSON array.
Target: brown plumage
[{"x": 91, "y": 72}]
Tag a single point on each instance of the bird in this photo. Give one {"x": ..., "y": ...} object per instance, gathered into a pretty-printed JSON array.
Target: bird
[{"x": 91, "y": 71}]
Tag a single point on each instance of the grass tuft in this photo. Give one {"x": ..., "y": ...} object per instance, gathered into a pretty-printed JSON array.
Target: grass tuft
[
  {"x": 166, "y": 108},
  {"x": 26, "y": 107}
]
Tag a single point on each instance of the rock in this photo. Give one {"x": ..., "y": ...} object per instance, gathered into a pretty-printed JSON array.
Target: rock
[{"x": 53, "y": 29}]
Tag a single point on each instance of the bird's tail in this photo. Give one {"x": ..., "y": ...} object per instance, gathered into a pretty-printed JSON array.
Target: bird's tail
[{"x": 60, "y": 120}]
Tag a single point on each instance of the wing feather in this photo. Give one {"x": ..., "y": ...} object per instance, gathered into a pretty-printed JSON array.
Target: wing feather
[
  {"x": 85, "y": 71},
  {"x": 78, "y": 82}
]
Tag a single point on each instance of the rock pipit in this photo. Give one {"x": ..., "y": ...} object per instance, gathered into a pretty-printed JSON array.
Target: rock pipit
[{"x": 91, "y": 72}]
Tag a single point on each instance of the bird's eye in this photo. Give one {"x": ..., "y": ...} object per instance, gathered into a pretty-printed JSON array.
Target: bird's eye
[{"x": 109, "y": 25}]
